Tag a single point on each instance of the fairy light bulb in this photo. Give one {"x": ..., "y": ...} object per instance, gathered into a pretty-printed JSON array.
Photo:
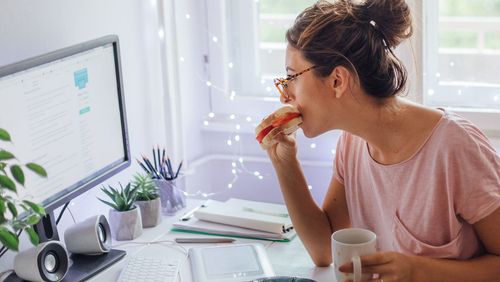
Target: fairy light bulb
[
  {"x": 459, "y": 92},
  {"x": 256, "y": 173},
  {"x": 209, "y": 83},
  {"x": 496, "y": 98},
  {"x": 309, "y": 187},
  {"x": 313, "y": 145},
  {"x": 205, "y": 122},
  {"x": 438, "y": 74},
  {"x": 230, "y": 65},
  {"x": 211, "y": 115},
  {"x": 233, "y": 164},
  {"x": 268, "y": 89},
  {"x": 230, "y": 185},
  {"x": 237, "y": 138},
  {"x": 248, "y": 119},
  {"x": 188, "y": 16},
  {"x": 238, "y": 127},
  {"x": 240, "y": 159},
  {"x": 232, "y": 116},
  {"x": 333, "y": 151},
  {"x": 181, "y": 59},
  {"x": 233, "y": 171},
  {"x": 215, "y": 39},
  {"x": 261, "y": 177},
  {"x": 161, "y": 34},
  {"x": 229, "y": 142},
  {"x": 430, "y": 92}
]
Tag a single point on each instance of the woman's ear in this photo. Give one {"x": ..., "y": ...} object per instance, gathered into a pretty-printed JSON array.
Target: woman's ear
[{"x": 339, "y": 80}]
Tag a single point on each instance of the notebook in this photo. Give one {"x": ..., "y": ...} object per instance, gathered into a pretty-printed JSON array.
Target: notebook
[
  {"x": 267, "y": 217},
  {"x": 194, "y": 225}
]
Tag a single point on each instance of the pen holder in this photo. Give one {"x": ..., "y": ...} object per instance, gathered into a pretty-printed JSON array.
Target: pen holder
[{"x": 172, "y": 198}]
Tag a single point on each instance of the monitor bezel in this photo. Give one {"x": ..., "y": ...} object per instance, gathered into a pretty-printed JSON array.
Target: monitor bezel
[{"x": 63, "y": 53}]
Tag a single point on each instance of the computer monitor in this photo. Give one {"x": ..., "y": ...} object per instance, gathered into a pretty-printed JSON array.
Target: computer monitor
[{"x": 65, "y": 111}]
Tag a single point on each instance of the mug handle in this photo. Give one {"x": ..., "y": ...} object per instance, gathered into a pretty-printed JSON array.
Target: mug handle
[{"x": 356, "y": 262}]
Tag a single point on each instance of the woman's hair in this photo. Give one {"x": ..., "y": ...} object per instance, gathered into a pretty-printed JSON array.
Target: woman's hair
[{"x": 358, "y": 35}]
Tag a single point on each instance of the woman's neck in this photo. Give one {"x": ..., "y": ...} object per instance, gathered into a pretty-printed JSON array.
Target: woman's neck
[{"x": 393, "y": 130}]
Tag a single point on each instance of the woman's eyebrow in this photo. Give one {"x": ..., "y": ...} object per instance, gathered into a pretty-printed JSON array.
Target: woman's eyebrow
[{"x": 289, "y": 68}]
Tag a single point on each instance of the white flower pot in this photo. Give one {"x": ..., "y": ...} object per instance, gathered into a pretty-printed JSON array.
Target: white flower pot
[
  {"x": 150, "y": 212},
  {"x": 125, "y": 225}
]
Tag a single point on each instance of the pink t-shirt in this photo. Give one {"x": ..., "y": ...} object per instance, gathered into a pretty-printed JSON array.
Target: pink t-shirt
[{"x": 425, "y": 205}]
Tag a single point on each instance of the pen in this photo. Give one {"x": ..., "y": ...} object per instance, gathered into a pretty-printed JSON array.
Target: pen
[
  {"x": 188, "y": 215},
  {"x": 204, "y": 240}
]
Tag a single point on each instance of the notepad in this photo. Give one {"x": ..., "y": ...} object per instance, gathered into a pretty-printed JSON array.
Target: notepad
[{"x": 267, "y": 217}]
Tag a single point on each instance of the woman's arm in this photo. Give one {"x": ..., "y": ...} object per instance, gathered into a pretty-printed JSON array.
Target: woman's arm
[
  {"x": 398, "y": 267},
  {"x": 484, "y": 268},
  {"x": 313, "y": 224}
]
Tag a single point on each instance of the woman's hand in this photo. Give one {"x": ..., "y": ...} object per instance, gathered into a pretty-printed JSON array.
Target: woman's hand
[
  {"x": 285, "y": 150},
  {"x": 385, "y": 267}
]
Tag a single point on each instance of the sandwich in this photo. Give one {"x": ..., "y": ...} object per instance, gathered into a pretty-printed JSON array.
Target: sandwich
[{"x": 285, "y": 119}]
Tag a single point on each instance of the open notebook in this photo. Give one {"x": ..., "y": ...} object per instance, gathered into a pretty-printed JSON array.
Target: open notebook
[{"x": 241, "y": 218}]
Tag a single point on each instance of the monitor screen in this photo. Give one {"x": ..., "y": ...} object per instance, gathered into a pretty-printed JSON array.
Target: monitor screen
[{"x": 65, "y": 112}]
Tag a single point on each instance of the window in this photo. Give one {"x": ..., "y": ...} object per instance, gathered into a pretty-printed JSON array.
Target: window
[
  {"x": 252, "y": 49},
  {"x": 462, "y": 43}
]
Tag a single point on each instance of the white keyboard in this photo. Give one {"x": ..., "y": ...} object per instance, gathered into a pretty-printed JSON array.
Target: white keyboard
[{"x": 141, "y": 269}]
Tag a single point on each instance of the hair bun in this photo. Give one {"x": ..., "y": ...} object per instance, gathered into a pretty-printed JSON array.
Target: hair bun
[{"x": 390, "y": 17}]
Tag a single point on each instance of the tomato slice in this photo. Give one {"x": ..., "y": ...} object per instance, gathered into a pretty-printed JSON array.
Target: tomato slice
[{"x": 278, "y": 122}]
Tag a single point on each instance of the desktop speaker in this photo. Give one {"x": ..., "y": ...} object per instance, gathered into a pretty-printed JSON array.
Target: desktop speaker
[
  {"x": 46, "y": 262},
  {"x": 89, "y": 237}
]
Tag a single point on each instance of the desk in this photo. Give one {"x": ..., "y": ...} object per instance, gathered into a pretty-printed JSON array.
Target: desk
[{"x": 287, "y": 258}]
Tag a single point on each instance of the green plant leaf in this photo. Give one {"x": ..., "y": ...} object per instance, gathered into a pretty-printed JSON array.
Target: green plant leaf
[
  {"x": 6, "y": 155},
  {"x": 12, "y": 208},
  {"x": 6, "y": 182},
  {"x": 18, "y": 174},
  {"x": 109, "y": 204},
  {"x": 2, "y": 206},
  {"x": 9, "y": 239},
  {"x": 37, "y": 169},
  {"x": 36, "y": 208},
  {"x": 32, "y": 219},
  {"x": 4, "y": 135},
  {"x": 33, "y": 236}
]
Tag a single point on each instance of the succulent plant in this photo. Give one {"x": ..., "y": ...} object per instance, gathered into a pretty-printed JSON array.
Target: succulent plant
[
  {"x": 146, "y": 189},
  {"x": 122, "y": 199}
]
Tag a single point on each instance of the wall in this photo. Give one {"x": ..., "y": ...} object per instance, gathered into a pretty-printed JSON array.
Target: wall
[{"x": 30, "y": 28}]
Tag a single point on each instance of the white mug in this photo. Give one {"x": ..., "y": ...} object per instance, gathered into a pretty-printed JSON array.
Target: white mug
[{"x": 347, "y": 246}]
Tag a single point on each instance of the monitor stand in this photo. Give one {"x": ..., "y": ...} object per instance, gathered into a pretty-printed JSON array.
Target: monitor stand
[{"x": 81, "y": 267}]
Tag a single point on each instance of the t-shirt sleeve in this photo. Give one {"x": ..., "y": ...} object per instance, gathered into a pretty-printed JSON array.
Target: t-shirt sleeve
[
  {"x": 478, "y": 176},
  {"x": 339, "y": 158}
]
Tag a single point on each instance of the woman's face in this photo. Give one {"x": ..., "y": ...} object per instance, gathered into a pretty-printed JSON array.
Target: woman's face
[{"x": 309, "y": 93}]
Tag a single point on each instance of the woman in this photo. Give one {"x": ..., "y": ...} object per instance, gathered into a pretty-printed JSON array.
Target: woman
[{"x": 425, "y": 180}]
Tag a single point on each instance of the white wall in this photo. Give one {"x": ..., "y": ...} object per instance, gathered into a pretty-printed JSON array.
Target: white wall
[{"x": 30, "y": 28}]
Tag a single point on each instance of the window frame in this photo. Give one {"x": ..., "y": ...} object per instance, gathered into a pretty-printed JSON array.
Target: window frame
[{"x": 485, "y": 119}]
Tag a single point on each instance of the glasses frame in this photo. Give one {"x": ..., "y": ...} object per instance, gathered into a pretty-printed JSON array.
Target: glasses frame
[{"x": 284, "y": 82}]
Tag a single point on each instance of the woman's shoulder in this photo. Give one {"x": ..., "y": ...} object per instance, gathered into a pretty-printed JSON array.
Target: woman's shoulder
[{"x": 456, "y": 132}]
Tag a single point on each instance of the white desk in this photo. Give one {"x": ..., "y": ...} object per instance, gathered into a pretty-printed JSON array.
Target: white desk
[{"x": 288, "y": 258}]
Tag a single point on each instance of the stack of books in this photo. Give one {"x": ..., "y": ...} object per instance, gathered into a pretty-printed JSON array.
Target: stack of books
[{"x": 240, "y": 218}]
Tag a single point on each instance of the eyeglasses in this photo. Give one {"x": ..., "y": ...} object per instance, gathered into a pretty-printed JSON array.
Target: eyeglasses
[{"x": 282, "y": 83}]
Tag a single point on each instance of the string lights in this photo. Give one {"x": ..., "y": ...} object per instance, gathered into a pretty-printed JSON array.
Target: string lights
[{"x": 233, "y": 140}]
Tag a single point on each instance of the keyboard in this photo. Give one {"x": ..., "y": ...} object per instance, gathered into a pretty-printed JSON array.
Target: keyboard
[{"x": 141, "y": 269}]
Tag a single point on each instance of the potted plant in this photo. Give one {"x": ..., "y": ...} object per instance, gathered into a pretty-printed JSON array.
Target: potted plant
[
  {"x": 124, "y": 217},
  {"x": 148, "y": 200},
  {"x": 11, "y": 225}
]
